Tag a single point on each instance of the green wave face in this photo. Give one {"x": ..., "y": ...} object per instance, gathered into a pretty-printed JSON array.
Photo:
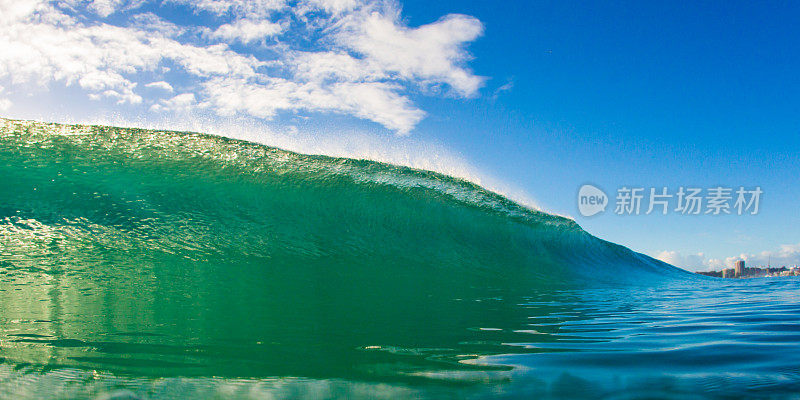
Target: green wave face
[{"x": 165, "y": 253}]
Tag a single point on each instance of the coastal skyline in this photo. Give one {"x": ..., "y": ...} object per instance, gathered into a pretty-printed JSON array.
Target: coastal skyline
[{"x": 533, "y": 103}]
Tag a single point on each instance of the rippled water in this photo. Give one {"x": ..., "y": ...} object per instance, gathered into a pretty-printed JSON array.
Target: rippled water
[
  {"x": 720, "y": 339},
  {"x": 712, "y": 339}
]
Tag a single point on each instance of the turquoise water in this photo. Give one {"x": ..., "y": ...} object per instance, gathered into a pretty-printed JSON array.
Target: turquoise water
[{"x": 176, "y": 265}]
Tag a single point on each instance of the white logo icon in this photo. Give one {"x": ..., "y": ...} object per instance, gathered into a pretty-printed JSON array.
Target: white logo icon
[{"x": 591, "y": 200}]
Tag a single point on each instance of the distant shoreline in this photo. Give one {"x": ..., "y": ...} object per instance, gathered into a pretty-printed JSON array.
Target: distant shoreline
[{"x": 755, "y": 272}]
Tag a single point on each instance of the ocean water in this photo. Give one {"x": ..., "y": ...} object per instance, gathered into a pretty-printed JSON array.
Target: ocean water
[{"x": 157, "y": 265}]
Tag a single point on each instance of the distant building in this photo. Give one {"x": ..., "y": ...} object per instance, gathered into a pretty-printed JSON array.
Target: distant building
[{"x": 739, "y": 269}]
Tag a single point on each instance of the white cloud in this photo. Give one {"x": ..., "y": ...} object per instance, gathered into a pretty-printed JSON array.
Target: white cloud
[
  {"x": 160, "y": 85},
  {"x": 181, "y": 102},
  {"x": 15, "y": 10},
  {"x": 257, "y": 8},
  {"x": 506, "y": 87},
  {"x": 335, "y": 6},
  {"x": 5, "y": 104},
  {"x": 153, "y": 23},
  {"x": 246, "y": 31},
  {"x": 693, "y": 262},
  {"x": 375, "y": 101},
  {"x": 105, "y": 8},
  {"x": 102, "y": 8},
  {"x": 362, "y": 60},
  {"x": 430, "y": 53},
  {"x": 340, "y": 66},
  {"x": 785, "y": 255},
  {"x": 99, "y": 57}
]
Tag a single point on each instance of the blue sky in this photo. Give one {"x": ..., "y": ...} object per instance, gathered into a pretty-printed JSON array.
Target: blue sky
[{"x": 542, "y": 96}]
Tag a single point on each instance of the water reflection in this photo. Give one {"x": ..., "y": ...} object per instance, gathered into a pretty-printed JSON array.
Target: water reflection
[
  {"x": 207, "y": 320},
  {"x": 716, "y": 340}
]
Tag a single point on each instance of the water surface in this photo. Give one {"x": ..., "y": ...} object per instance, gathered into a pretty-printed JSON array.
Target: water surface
[{"x": 177, "y": 265}]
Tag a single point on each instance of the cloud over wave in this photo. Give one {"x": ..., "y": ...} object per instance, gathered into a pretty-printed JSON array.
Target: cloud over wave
[{"x": 257, "y": 58}]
